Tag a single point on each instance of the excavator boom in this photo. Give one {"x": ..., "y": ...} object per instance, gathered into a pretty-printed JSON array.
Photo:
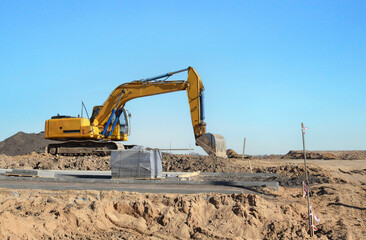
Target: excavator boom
[{"x": 151, "y": 86}]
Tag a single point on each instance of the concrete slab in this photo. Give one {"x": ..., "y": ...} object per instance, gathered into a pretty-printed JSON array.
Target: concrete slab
[{"x": 101, "y": 180}]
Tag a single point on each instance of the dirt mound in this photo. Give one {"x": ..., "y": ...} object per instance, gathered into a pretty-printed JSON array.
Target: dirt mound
[
  {"x": 267, "y": 156},
  {"x": 309, "y": 155},
  {"x": 115, "y": 215},
  {"x": 180, "y": 163},
  {"x": 350, "y": 155},
  {"x": 290, "y": 174},
  {"x": 45, "y": 161},
  {"x": 41, "y": 214},
  {"x": 327, "y": 155},
  {"x": 171, "y": 162},
  {"x": 338, "y": 195},
  {"x": 24, "y": 143},
  {"x": 232, "y": 154}
]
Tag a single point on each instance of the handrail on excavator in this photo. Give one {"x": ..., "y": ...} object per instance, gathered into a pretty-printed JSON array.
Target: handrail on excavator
[{"x": 163, "y": 75}]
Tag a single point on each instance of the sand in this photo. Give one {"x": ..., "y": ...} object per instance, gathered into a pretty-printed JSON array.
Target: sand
[
  {"x": 338, "y": 200},
  {"x": 338, "y": 188}
]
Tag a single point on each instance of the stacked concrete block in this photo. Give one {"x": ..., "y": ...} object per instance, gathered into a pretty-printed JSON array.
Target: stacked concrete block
[{"x": 137, "y": 162}]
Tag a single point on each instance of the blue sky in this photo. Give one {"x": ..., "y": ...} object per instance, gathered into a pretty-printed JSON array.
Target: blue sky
[{"x": 266, "y": 66}]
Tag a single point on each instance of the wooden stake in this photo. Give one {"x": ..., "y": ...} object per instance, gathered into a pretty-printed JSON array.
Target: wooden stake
[
  {"x": 307, "y": 182},
  {"x": 242, "y": 156}
]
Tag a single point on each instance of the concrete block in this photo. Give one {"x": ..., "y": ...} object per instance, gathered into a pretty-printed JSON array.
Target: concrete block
[{"x": 137, "y": 162}]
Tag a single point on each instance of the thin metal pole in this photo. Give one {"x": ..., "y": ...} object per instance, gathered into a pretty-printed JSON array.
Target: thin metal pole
[
  {"x": 304, "y": 149},
  {"x": 242, "y": 156},
  {"x": 190, "y": 153},
  {"x": 82, "y": 109},
  {"x": 86, "y": 110},
  {"x": 307, "y": 181}
]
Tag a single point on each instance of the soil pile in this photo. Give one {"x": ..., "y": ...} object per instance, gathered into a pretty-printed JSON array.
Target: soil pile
[
  {"x": 232, "y": 154},
  {"x": 115, "y": 215},
  {"x": 326, "y": 155},
  {"x": 192, "y": 163},
  {"x": 290, "y": 174},
  {"x": 171, "y": 162},
  {"x": 45, "y": 161},
  {"x": 24, "y": 143},
  {"x": 350, "y": 155},
  {"x": 338, "y": 193},
  {"x": 309, "y": 155},
  {"x": 41, "y": 214}
]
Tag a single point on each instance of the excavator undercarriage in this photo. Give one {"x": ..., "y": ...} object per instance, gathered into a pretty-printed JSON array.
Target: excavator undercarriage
[{"x": 82, "y": 148}]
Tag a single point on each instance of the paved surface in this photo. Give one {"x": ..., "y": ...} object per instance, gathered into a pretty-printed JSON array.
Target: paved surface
[
  {"x": 101, "y": 180},
  {"x": 141, "y": 188}
]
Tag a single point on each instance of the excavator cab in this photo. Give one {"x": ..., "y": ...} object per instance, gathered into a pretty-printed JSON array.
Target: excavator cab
[
  {"x": 119, "y": 124},
  {"x": 124, "y": 122}
]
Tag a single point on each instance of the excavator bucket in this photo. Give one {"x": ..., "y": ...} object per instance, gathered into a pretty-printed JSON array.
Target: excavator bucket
[{"x": 213, "y": 144}]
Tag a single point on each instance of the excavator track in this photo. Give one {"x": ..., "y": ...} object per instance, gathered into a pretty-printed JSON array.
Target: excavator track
[{"x": 83, "y": 148}]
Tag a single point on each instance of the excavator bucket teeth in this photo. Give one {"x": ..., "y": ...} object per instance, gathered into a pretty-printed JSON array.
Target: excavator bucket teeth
[{"x": 213, "y": 144}]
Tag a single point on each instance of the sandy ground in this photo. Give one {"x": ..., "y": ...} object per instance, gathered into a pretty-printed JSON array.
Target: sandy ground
[{"x": 338, "y": 187}]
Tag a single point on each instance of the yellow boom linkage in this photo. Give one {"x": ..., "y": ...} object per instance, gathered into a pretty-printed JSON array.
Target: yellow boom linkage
[{"x": 106, "y": 122}]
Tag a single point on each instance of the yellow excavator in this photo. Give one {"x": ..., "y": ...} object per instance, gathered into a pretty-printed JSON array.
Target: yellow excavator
[{"x": 110, "y": 122}]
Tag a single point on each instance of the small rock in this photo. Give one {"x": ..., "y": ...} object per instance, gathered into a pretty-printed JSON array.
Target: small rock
[
  {"x": 15, "y": 194},
  {"x": 81, "y": 200}
]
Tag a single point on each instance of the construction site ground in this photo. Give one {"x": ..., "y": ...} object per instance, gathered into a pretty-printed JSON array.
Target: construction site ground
[{"x": 338, "y": 188}]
